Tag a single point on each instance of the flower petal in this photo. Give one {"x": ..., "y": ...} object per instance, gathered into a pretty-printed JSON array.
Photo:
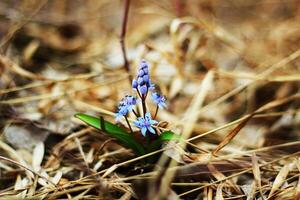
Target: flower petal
[
  {"x": 148, "y": 115},
  {"x": 153, "y": 122},
  {"x": 134, "y": 84},
  {"x": 140, "y": 80},
  {"x": 151, "y": 130},
  {"x": 144, "y": 130},
  {"x": 143, "y": 89},
  {"x": 137, "y": 124}
]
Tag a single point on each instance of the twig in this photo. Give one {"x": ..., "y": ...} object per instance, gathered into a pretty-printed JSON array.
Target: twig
[
  {"x": 179, "y": 6},
  {"x": 122, "y": 38}
]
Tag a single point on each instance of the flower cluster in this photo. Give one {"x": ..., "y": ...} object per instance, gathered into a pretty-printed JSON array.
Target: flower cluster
[{"x": 142, "y": 85}]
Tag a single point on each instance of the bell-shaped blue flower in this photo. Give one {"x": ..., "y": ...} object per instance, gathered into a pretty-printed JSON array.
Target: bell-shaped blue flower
[
  {"x": 159, "y": 100},
  {"x": 134, "y": 84},
  {"x": 145, "y": 123},
  {"x": 143, "y": 89},
  {"x": 142, "y": 81},
  {"x": 126, "y": 105},
  {"x": 122, "y": 111}
]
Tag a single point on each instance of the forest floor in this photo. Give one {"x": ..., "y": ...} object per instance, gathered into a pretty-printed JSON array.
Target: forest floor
[{"x": 230, "y": 71}]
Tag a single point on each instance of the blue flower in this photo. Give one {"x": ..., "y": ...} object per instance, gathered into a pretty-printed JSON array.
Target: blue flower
[
  {"x": 160, "y": 100},
  {"x": 122, "y": 111},
  {"x": 134, "y": 84},
  {"x": 145, "y": 123},
  {"x": 142, "y": 89},
  {"x": 130, "y": 101},
  {"x": 126, "y": 105},
  {"x": 143, "y": 83}
]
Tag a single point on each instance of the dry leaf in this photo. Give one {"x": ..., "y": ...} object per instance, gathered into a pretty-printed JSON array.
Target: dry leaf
[
  {"x": 57, "y": 177},
  {"x": 38, "y": 155},
  {"x": 281, "y": 177}
]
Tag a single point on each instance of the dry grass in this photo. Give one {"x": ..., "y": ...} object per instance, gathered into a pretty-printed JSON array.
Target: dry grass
[{"x": 229, "y": 69}]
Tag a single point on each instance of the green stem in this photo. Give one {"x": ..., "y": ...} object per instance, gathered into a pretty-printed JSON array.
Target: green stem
[
  {"x": 128, "y": 124},
  {"x": 135, "y": 113},
  {"x": 144, "y": 105},
  {"x": 137, "y": 90}
]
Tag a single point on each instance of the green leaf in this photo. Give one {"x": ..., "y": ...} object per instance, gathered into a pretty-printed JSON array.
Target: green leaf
[
  {"x": 169, "y": 135},
  {"x": 113, "y": 130},
  {"x": 163, "y": 137},
  {"x": 156, "y": 144}
]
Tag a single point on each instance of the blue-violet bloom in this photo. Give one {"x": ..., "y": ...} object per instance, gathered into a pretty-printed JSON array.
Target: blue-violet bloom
[
  {"x": 122, "y": 111},
  {"x": 126, "y": 105},
  {"x": 134, "y": 84},
  {"x": 143, "y": 83},
  {"x": 145, "y": 123},
  {"x": 159, "y": 100}
]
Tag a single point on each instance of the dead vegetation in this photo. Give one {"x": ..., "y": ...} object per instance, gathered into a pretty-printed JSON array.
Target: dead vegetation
[{"x": 229, "y": 69}]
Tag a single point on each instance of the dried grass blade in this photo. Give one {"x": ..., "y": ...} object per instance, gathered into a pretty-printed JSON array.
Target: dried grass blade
[
  {"x": 78, "y": 143},
  {"x": 126, "y": 196},
  {"x": 18, "y": 184},
  {"x": 29, "y": 170},
  {"x": 281, "y": 177},
  {"x": 16, "y": 158},
  {"x": 298, "y": 185},
  {"x": 256, "y": 173},
  {"x": 251, "y": 194},
  {"x": 191, "y": 115},
  {"x": 4, "y": 61},
  {"x": 219, "y": 176},
  {"x": 191, "y": 119},
  {"x": 278, "y": 102},
  {"x": 232, "y": 134},
  {"x": 110, "y": 170},
  {"x": 219, "y": 193},
  {"x": 32, "y": 189},
  {"x": 81, "y": 195},
  {"x": 208, "y": 193}
]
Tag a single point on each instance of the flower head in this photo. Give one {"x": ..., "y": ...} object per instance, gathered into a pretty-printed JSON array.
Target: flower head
[
  {"x": 159, "y": 99},
  {"x": 122, "y": 111},
  {"x": 145, "y": 123},
  {"x": 126, "y": 105},
  {"x": 143, "y": 83}
]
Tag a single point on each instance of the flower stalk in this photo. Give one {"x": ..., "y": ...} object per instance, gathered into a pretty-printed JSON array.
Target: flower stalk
[{"x": 128, "y": 124}]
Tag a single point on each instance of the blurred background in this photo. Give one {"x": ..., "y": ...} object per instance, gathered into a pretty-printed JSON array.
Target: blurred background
[
  {"x": 59, "y": 57},
  {"x": 47, "y": 44}
]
